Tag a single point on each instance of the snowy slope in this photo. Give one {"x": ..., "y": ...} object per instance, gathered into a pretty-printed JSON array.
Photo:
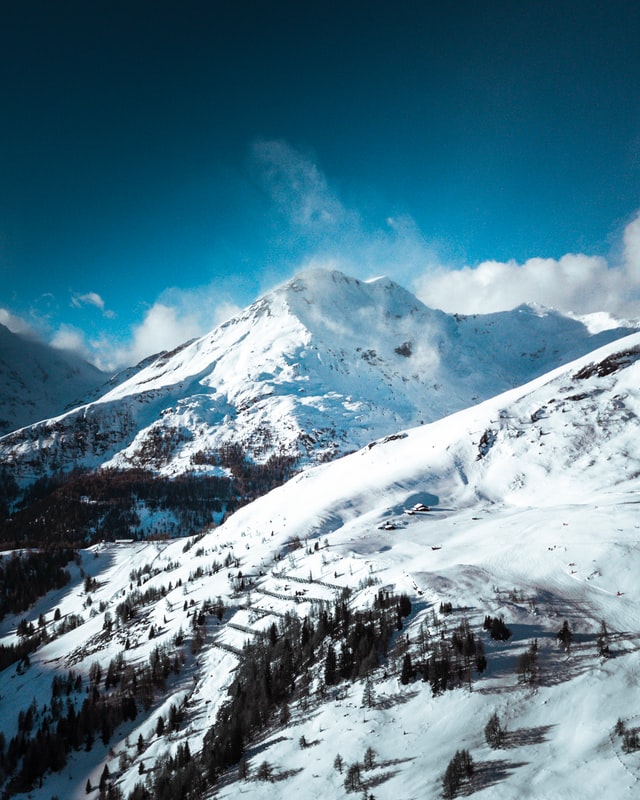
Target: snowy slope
[
  {"x": 532, "y": 499},
  {"x": 316, "y": 368},
  {"x": 39, "y": 381}
]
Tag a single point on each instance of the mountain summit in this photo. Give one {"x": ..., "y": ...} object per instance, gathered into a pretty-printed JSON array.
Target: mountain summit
[{"x": 315, "y": 368}]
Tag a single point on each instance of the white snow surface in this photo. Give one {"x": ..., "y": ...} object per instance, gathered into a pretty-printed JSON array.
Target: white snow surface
[
  {"x": 533, "y": 500},
  {"x": 316, "y": 368}
]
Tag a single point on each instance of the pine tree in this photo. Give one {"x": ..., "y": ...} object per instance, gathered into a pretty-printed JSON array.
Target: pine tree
[
  {"x": 565, "y": 637},
  {"x": 630, "y": 741},
  {"x": 369, "y": 760},
  {"x": 481, "y": 659},
  {"x": 368, "y": 695},
  {"x": 459, "y": 769},
  {"x": 330, "y": 666},
  {"x": 527, "y": 667},
  {"x": 450, "y": 781},
  {"x": 494, "y": 733},
  {"x": 407, "y": 670},
  {"x": 352, "y": 780},
  {"x": 104, "y": 778},
  {"x": 603, "y": 641}
]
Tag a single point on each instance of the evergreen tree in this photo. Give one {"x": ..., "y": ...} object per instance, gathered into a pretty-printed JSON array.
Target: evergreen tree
[
  {"x": 565, "y": 637},
  {"x": 369, "y": 758},
  {"x": 497, "y": 629},
  {"x": 104, "y": 778},
  {"x": 450, "y": 781},
  {"x": 352, "y": 781},
  {"x": 603, "y": 641},
  {"x": 459, "y": 769},
  {"x": 630, "y": 741},
  {"x": 265, "y": 771},
  {"x": 527, "y": 666},
  {"x": 481, "y": 659},
  {"x": 330, "y": 667},
  {"x": 368, "y": 695},
  {"x": 404, "y": 605},
  {"x": 494, "y": 733},
  {"x": 407, "y": 673}
]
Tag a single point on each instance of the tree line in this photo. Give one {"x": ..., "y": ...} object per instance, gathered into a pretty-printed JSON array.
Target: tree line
[
  {"x": 67, "y": 722},
  {"x": 82, "y": 507},
  {"x": 26, "y": 576}
]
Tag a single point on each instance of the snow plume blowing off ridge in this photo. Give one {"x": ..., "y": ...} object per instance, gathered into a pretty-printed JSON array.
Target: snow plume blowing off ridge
[{"x": 309, "y": 223}]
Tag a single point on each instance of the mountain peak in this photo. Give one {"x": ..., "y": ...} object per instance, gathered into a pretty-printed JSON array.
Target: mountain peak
[
  {"x": 317, "y": 293},
  {"x": 319, "y": 366}
]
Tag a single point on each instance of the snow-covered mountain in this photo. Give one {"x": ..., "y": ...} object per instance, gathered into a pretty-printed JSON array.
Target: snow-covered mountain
[
  {"x": 39, "y": 381},
  {"x": 521, "y": 508},
  {"x": 316, "y": 368}
]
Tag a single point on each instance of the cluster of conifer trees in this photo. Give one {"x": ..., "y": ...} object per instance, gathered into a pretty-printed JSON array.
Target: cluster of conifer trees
[
  {"x": 47, "y": 735},
  {"x": 28, "y": 575},
  {"x": 275, "y": 669},
  {"x": 79, "y": 508},
  {"x": 446, "y": 661},
  {"x": 336, "y": 643},
  {"x": 84, "y": 506}
]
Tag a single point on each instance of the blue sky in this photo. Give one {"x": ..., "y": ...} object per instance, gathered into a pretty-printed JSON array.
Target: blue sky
[{"x": 163, "y": 163}]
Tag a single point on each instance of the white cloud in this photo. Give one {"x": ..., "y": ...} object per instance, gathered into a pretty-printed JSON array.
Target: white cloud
[
  {"x": 92, "y": 299},
  {"x": 176, "y": 317},
  {"x": 575, "y": 283},
  {"x": 631, "y": 253},
  {"x": 89, "y": 299},
  {"x": 69, "y": 338},
  {"x": 162, "y": 328},
  {"x": 338, "y": 237},
  {"x": 224, "y": 311},
  {"x": 321, "y": 230},
  {"x": 15, "y": 323}
]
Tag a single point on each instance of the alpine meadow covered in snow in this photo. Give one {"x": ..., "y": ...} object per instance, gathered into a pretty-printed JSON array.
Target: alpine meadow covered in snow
[{"x": 342, "y": 545}]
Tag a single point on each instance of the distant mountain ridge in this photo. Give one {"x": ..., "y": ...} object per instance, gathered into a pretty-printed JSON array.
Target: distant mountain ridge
[
  {"x": 314, "y": 369},
  {"x": 39, "y": 381}
]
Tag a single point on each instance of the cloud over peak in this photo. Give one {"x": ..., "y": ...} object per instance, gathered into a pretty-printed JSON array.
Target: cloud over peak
[{"x": 575, "y": 283}]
